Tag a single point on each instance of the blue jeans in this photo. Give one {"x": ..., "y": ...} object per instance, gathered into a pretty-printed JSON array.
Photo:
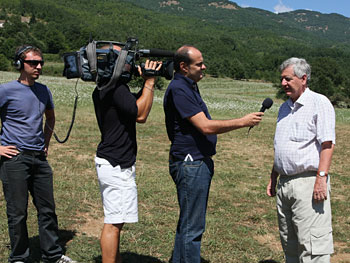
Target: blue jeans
[
  {"x": 192, "y": 181},
  {"x": 30, "y": 171}
]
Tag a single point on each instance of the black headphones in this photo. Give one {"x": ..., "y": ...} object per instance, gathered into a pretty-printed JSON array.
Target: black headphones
[{"x": 18, "y": 62}]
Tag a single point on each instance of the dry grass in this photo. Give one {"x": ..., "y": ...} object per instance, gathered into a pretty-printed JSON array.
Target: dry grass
[{"x": 241, "y": 220}]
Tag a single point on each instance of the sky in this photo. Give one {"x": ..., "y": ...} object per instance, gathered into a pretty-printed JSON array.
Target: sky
[{"x": 341, "y": 7}]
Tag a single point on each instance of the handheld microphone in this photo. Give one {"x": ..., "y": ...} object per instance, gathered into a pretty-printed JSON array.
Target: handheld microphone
[
  {"x": 155, "y": 52},
  {"x": 267, "y": 103}
]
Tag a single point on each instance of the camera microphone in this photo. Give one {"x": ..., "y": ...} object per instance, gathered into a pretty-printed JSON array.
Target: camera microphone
[
  {"x": 155, "y": 52},
  {"x": 267, "y": 103}
]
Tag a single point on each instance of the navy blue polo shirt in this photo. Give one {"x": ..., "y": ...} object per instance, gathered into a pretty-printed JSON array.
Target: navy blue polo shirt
[{"x": 181, "y": 101}]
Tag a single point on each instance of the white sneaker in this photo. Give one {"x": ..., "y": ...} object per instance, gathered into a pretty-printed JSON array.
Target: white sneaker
[
  {"x": 65, "y": 259},
  {"x": 18, "y": 262}
]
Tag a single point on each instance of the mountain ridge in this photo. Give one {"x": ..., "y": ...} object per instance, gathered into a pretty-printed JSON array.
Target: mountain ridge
[
  {"x": 224, "y": 12},
  {"x": 241, "y": 43}
]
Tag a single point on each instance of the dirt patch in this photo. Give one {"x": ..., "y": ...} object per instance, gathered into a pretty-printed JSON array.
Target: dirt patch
[
  {"x": 341, "y": 258},
  {"x": 222, "y": 5},
  {"x": 269, "y": 240},
  {"x": 169, "y": 3},
  {"x": 91, "y": 227},
  {"x": 84, "y": 157},
  {"x": 92, "y": 221},
  {"x": 273, "y": 244}
]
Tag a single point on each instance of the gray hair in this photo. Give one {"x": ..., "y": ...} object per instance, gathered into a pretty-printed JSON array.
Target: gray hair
[{"x": 300, "y": 67}]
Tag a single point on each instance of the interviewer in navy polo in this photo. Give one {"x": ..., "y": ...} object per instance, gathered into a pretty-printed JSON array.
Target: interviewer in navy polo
[{"x": 192, "y": 133}]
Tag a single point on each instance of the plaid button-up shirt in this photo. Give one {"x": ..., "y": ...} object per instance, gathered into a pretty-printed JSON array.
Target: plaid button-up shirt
[{"x": 301, "y": 129}]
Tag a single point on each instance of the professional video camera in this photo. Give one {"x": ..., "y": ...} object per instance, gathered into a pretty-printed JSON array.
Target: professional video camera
[{"x": 107, "y": 62}]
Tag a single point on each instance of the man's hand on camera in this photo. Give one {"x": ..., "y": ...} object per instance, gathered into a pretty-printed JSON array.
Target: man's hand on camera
[{"x": 150, "y": 69}]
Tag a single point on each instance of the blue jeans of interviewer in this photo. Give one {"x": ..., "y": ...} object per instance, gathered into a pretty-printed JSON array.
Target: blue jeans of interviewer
[
  {"x": 192, "y": 180},
  {"x": 29, "y": 171}
]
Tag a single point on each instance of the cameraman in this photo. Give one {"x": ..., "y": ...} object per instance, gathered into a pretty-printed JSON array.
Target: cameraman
[
  {"x": 117, "y": 113},
  {"x": 192, "y": 133}
]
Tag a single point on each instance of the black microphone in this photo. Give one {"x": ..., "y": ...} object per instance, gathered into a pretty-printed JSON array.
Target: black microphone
[
  {"x": 155, "y": 52},
  {"x": 267, "y": 103}
]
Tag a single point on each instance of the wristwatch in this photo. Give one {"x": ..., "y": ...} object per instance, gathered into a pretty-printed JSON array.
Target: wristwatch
[{"x": 322, "y": 174}]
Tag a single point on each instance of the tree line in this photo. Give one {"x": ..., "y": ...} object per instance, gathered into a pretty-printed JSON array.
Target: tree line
[{"x": 236, "y": 52}]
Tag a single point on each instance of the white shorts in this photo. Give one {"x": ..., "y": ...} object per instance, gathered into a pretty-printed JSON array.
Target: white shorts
[{"x": 118, "y": 192}]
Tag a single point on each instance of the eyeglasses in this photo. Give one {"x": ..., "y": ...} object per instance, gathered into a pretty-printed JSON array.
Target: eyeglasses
[{"x": 34, "y": 63}]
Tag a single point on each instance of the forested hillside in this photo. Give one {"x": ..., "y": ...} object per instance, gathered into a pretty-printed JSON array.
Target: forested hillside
[
  {"x": 241, "y": 43},
  {"x": 321, "y": 29}
]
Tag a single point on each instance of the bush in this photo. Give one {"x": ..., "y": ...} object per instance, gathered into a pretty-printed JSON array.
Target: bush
[
  {"x": 4, "y": 63},
  {"x": 323, "y": 84},
  {"x": 137, "y": 82},
  {"x": 53, "y": 69}
]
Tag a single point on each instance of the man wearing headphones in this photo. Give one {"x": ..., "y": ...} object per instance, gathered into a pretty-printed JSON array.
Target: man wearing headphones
[{"x": 23, "y": 151}]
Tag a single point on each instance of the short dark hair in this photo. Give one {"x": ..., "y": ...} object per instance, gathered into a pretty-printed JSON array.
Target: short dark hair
[
  {"x": 22, "y": 51},
  {"x": 182, "y": 55}
]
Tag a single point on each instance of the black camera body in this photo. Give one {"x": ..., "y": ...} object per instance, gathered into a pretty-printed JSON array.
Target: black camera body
[{"x": 107, "y": 62}]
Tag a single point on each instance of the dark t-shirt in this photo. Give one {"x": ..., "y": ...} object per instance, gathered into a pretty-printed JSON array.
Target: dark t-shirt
[
  {"x": 116, "y": 115},
  {"x": 181, "y": 101}
]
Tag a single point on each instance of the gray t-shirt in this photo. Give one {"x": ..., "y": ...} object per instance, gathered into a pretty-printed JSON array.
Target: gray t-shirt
[{"x": 21, "y": 110}]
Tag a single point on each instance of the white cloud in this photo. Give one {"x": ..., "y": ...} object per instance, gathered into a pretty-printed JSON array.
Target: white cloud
[{"x": 281, "y": 8}]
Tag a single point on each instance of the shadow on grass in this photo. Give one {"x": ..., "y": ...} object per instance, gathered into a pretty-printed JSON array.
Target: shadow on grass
[
  {"x": 268, "y": 261},
  {"x": 136, "y": 258},
  {"x": 133, "y": 258},
  {"x": 202, "y": 259},
  {"x": 34, "y": 244}
]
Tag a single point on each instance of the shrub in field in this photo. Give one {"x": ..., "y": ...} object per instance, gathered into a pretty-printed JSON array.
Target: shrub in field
[{"x": 4, "y": 63}]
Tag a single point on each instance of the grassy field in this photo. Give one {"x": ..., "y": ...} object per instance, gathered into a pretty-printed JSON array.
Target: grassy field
[{"x": 241, "y": 219}]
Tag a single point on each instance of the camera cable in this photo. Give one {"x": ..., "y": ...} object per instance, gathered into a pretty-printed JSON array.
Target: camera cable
[{"x": 73, "y": 118}]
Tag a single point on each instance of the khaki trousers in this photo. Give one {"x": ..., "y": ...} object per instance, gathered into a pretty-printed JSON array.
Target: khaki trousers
[{"x": 305, "y": 226}]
